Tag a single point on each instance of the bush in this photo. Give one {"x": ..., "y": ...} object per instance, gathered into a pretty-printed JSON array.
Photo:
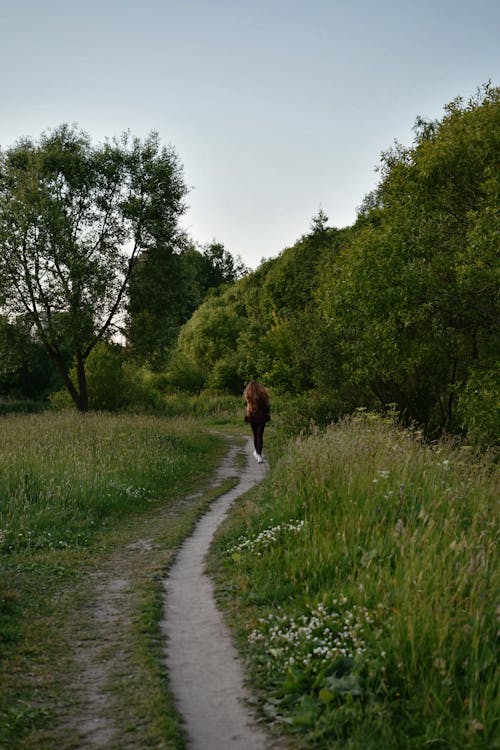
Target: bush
[
  {"x": 114, "y": 384},
  {"x": 184, "y": 374},
  {"x": 479, "y": 405},
  {"x": 21, "y": 407},
  {"x": 225, "y": 376},
  {"x": 219, "y": 408},
  {"x": 313, "y": 408}
]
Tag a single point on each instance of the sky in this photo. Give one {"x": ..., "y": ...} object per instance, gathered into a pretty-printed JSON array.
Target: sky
[{"x": 276, "y": 108}]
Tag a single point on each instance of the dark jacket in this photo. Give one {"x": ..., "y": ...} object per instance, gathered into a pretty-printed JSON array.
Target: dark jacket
[{"x": 261, "y": 415}]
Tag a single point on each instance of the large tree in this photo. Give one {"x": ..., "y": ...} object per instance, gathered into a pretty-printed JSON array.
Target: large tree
[{"x": 73, "y": 219}]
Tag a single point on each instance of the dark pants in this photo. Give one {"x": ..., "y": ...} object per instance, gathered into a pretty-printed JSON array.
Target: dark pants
[{"x": 258, "y": 434}]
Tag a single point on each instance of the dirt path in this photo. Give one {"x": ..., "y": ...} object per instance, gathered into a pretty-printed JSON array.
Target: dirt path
[
  {"x": 204, "y": 670},
  {"x": 114, "y": 688}
]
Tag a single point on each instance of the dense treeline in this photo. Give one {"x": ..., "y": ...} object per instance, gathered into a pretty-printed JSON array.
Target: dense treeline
[{"x": 399, "y": 309}]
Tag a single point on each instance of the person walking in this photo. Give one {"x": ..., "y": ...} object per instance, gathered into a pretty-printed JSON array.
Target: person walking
[{"x": 257, "y": 413}]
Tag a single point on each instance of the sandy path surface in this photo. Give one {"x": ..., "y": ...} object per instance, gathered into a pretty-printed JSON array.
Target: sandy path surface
[{"x": 205, "y": 673}]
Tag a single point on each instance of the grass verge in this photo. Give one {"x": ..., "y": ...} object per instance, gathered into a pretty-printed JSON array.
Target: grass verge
[{"x": 362, "y": 581}]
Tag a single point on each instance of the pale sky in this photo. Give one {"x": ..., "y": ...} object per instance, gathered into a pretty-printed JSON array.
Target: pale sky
[{"x": 276, "y": 108}]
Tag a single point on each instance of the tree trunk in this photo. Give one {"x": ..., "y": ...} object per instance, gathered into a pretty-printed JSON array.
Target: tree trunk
[
  {"x": 81, "y": 405},
  {"x": 83, "y": 402}
]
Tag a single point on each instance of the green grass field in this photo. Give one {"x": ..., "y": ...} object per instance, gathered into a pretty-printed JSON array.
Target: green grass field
[
  {"x": 74, "y": 491},
  {"x": 362, "y": 578}
]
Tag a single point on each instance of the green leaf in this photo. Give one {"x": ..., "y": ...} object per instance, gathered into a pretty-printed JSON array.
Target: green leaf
[
  {"x": 325, "y": 696},
  {"x": 343, "y": 685},
  {"x": 306, "y": 713}
]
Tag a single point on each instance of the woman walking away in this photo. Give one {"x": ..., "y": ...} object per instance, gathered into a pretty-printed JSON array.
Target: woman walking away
[{"x": 257, "y": 413}]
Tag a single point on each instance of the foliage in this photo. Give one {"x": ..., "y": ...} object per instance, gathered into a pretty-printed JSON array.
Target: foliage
[
  {"x": 212, "y": 332},
  {"x": 21, "y": 407},
  {"x": 69, "y": 211},
  {"x": 165, "y": 289},
  {"x": 113, "y": 384},
  {"x": 219, "y": 266},
  {"x": 403, "y": 299},
  {"x": 26, "y": 371},
  {"x": 185, "y": 374},
  {"x": 225, "y": 376},
  {"x": 399, "y": 309},
  {"x": 479, "y": 404},
  {"x": 362, "y": 578}
]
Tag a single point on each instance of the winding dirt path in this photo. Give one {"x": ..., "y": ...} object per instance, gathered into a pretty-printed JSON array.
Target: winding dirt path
[
  {"x": 205, "y": 673},
  {"x": 110, "y": 691}
]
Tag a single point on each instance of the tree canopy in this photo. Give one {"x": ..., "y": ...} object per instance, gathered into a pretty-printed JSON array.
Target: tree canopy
[
  {"x": 166, "y": 288},
  {"x": 74, "y": 217},
  {"x": 400, "y": 309}
]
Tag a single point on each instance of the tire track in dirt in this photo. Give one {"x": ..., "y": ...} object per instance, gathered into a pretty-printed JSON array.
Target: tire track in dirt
[{"x": 205, "y": 673}]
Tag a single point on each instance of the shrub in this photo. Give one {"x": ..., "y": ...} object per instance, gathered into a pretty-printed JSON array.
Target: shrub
[
  {"x": 225, "y": 376},
  {"x": 479, "y": 404},
  {"x": 184, "y": 374}
]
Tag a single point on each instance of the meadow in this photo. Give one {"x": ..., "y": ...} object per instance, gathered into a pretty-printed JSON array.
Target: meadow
[
  {"x": 66, "y": 476},
  {"x": 361, "y": 577},
  {"x": 362, "y": 581},
  {"x": 74, "y": 490}
]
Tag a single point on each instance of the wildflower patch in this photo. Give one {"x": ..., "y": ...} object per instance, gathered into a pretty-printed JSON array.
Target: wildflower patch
[
  {"x": 325, "y": 653},
  {"x": 264, "y": 539}
]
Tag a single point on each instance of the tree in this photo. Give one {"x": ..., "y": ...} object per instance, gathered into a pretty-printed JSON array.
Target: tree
[
  {"x": 219, "y": 266},
  {"x": 161, "y": 298},
  {"x": 413, "y": 300},
  {"x": 165, "y": 289},
  {"x": 319, "y": 222},
  {"x": 73, "y": 219}
]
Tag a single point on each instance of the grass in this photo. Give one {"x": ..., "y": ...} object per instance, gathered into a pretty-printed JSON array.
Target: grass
[
  {"x": 74, "y": 491},
  {"x": 362, "y": 579},
  {"x": 213, "y": 408},
  {"x": 66, "y": 476}
]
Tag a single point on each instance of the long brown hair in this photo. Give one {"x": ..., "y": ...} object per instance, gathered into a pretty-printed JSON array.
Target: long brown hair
[{"x": 255, "y": 396}]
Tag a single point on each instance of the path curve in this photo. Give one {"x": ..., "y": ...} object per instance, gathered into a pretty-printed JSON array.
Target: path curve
[{"x": 206, "y": 676}]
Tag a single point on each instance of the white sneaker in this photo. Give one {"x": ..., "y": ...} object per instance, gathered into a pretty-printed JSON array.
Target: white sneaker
[
  {"x": 259, "y": 459},
  {"x": 256, "y": 455}
]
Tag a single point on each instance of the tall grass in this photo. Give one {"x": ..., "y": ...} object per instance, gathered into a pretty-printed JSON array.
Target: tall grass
[
  {"x": 64, "y": 476},
  {"x": 366, "y": 573},
  {"x": 215, "y": 408},
  {"x": 74, "y": 490}
]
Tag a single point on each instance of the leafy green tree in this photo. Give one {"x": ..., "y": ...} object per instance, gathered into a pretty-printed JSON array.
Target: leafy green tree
[
  {"x": 404, "y": 298},
  {"x": 165, "y": 288},
  {"x": 162, "y": 297},
  {"x": 400, "y": 309},
  {"x": 73, "y": 219},
  {"x": 219, "y": 266},
  {"x": 319, "y": 223},
  {"x": 212, "y": 332}
]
